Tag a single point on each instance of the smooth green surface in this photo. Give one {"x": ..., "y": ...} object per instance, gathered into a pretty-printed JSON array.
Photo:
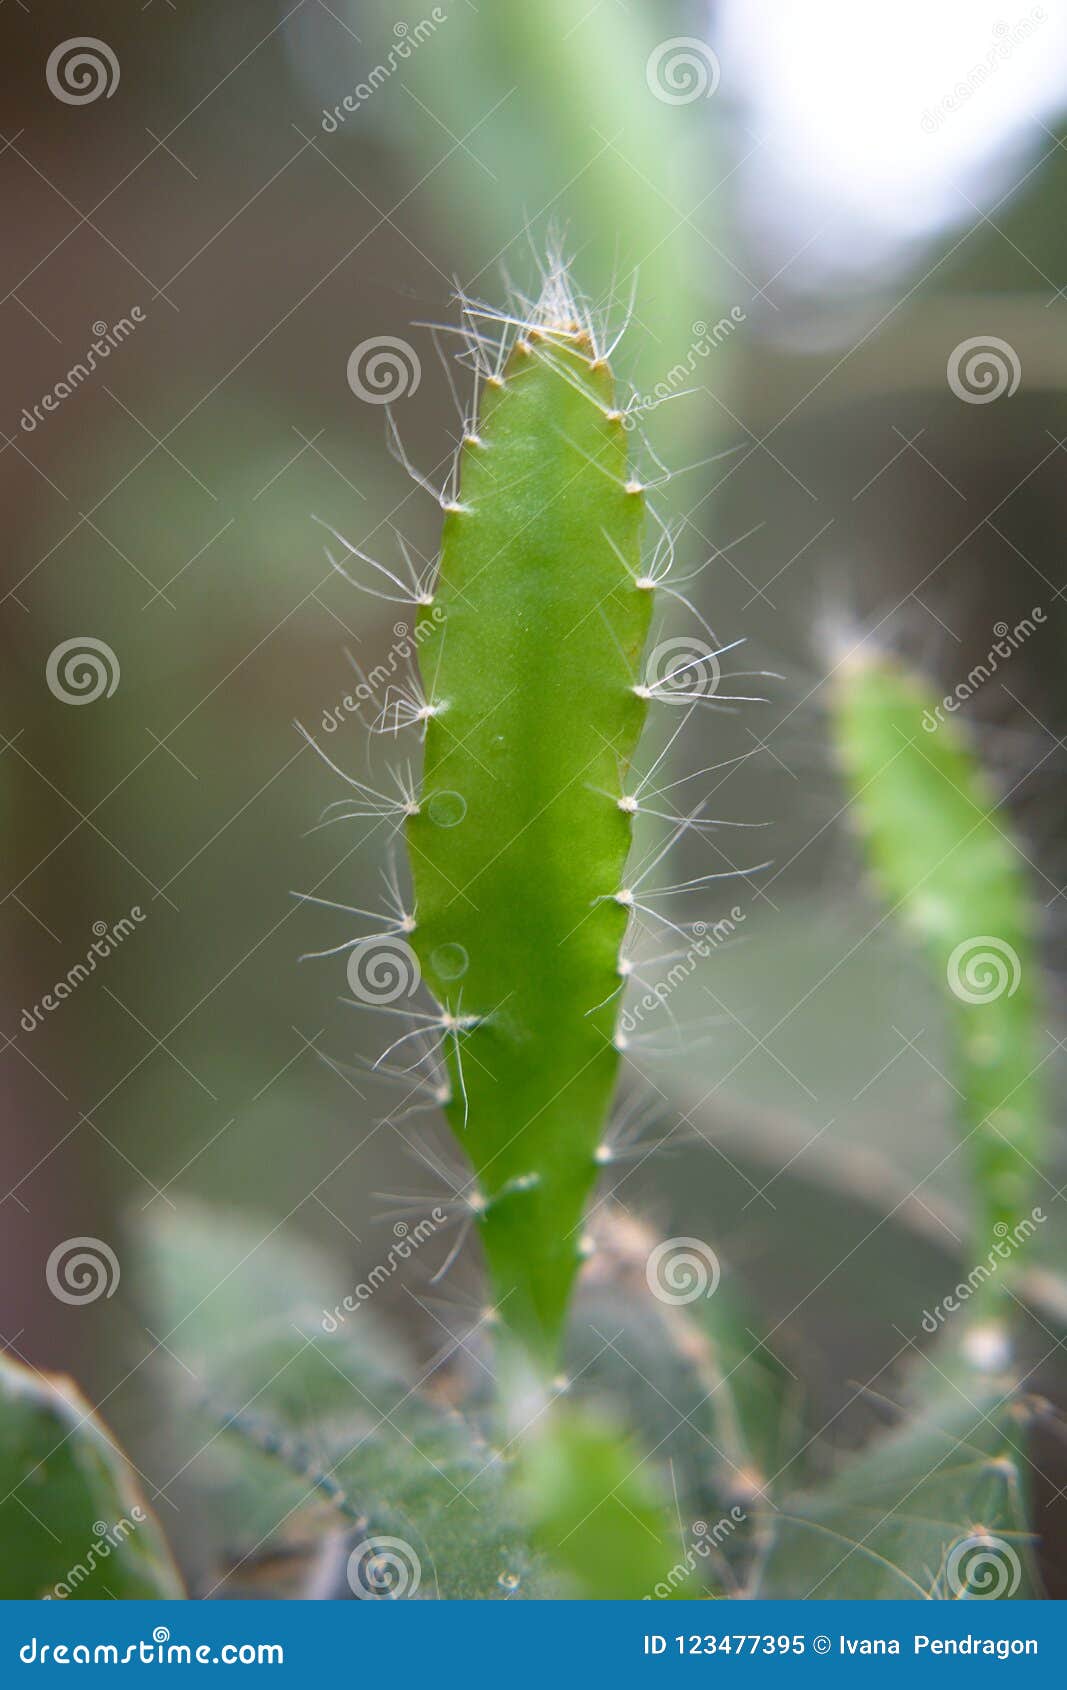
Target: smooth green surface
[
  {"x": 932, "y": 1510},
  {"x": 73, "y": 1522},
  {"x": 520, "y": 846},
  {"x": 939, "y": 844},
  {"x": 599, "y": 1514}
]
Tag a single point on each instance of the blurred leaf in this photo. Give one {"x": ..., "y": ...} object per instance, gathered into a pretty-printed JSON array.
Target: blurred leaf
[
  {"x": 312, "y": 1443},
  {"x": 934, "y": 1509},
  {"x": 74, "y": 1523}
]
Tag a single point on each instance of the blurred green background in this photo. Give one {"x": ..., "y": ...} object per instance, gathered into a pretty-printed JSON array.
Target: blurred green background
[{"x": 166, "y": 508}]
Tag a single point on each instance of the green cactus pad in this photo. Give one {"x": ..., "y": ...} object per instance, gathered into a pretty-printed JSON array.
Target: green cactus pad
[
  {"x": 534, "y": 702},
  {"x": 943, "y": 857}
]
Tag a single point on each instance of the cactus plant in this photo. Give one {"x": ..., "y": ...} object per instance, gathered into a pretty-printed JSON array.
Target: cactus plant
[
  {"x": 315, "y": 1459},
  {"x": 947, "y": 867},
  {"x": 531, "y": 700},
  {"x": 520, "y": 841}
]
